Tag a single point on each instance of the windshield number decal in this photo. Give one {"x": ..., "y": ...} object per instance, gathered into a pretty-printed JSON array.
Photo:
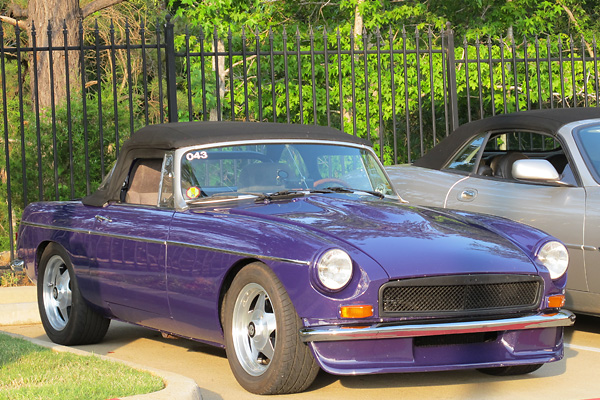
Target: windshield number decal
[{"x": 198, "y": 155}]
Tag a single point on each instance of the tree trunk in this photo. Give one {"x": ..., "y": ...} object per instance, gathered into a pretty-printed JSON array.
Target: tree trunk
[
  {"x": 50, "y": 19},
  {"x": 358, "y": 19},
  {"x": 215, "y": 114}
]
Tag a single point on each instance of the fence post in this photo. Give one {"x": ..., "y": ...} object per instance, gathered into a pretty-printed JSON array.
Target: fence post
[
  {"x": 171, "y": 76},
  {"x": 451, "y": 74}
]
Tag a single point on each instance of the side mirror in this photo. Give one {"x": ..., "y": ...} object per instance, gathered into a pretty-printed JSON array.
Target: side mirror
[{"x": 534, "y": 170}]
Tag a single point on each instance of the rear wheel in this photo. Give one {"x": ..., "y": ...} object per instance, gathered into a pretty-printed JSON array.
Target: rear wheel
[
  {"x": 262, "y": 342},
  {"x": 66, "y": 317},
  {"x": 514, "y": 370}
]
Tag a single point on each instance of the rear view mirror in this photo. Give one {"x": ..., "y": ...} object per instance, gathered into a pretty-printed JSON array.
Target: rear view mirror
[{"x": 535, "y": 170}]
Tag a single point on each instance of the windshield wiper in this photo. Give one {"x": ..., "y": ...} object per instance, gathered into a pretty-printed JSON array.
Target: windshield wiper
[
  {"x": 224, "y": 196},
  {"x": 282, "y": 195},
  {"x": 338, "y": 189},
  {"x": 292, "y": 193}
]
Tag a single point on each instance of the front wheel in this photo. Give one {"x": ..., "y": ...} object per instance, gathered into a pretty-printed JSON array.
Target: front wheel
[
  {"x": 514, "y": 370},
  {"x": 66, "y": 317},
  {"x": 261, "y": 326}
]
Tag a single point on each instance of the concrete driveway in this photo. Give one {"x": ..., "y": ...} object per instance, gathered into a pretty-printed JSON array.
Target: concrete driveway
[{"x": 575, "y": 377}]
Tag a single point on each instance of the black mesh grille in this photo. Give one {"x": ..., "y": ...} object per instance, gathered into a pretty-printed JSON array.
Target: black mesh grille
[{"x": 461, "y": 294}]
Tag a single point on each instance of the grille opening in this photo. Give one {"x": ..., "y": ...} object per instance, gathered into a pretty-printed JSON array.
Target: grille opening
[
  {"x": 448, "y": 340},
  {"x": 462, "y": 295}
]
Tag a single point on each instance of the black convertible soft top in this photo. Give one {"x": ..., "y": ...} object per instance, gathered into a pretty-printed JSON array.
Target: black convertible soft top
[
  {"x": 153, "y": 140},
  {"x": 546, "y": 121},
  {"x": 182, "y": 134}
]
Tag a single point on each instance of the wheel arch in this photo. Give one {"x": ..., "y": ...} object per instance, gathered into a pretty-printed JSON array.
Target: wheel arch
[
  {"x": 40, "y": 251},
  {"x": 228, "y": 278}
]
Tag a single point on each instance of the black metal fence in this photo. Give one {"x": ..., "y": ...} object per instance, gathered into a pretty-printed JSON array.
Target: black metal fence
[{"x": 62, "y": 124}]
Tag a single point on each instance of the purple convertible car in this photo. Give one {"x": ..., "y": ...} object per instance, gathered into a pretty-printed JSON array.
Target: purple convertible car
[{"x": 287, "y": 245}]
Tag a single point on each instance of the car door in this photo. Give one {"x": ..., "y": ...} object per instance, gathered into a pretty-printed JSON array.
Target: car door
[
  {"x": 592, "y": 239},
  {"x": 129, "y": 248}
]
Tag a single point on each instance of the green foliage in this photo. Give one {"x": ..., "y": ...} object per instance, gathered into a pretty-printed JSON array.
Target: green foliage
[{"x": 8, "y": 279}]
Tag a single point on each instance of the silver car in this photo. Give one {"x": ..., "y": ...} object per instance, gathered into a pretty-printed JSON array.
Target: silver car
[{"x": 538, "y": 167}]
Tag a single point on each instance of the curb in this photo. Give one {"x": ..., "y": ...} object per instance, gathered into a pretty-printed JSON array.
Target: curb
[{"x": 176, "y": 386}]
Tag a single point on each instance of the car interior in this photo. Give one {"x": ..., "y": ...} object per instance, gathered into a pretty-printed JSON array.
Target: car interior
[
  {"x": 504, "y": 149},
  {"x": 143, "y": 182}
]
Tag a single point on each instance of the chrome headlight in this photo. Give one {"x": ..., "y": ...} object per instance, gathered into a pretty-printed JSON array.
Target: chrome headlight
[
  {"x": 334, "y": 269},
  {"x": 555, "y": 257}
]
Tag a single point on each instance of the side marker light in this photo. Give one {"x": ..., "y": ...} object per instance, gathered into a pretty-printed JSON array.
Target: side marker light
[
  {"x": 358, "y": 311},
  {"x": 556, "y": 301}
]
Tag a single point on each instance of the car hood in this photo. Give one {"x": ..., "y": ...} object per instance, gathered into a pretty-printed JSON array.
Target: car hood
[{"x": 405, "y": 240}]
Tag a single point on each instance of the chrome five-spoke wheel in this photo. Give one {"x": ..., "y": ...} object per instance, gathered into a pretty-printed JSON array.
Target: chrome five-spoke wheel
[
  {"x": 254, "y": 329},
  {"x": 261, "y": 330},
  {"x": 56, "y": 290},
  {"x": 66, "y": 316}
]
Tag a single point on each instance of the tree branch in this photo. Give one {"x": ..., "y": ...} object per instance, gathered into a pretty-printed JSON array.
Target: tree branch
[
  {"x": 576, "y": 23},
  {"x": 14, "y": 22},
  {"x": 98, "y": 5}
]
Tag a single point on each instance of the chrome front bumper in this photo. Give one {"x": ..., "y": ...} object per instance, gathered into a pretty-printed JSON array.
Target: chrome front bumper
[
  {"x": 17, "y": 265},
  {"x": 386, "y": 331}
]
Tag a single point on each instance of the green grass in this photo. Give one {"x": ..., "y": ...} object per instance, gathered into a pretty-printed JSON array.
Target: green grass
[{"x": 29, "y": 371}]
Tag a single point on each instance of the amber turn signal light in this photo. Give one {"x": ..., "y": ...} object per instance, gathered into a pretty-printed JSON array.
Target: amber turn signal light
[
  {"x": 556, "y": 301},
  {"x": 358, "y": 311}
]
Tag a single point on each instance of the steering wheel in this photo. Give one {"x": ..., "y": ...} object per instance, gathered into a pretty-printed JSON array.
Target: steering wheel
[{"x": 322, "y": 182}]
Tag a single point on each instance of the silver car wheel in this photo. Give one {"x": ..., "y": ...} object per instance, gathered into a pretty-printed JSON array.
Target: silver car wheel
[
  {"x": 254, "y": 329},
  {"x": 56, "y": 291}
]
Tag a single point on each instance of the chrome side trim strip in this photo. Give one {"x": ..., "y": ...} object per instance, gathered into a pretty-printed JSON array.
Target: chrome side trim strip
[
  {"x": 357, "y": 332},
  {"x": 238, "y": 253},
  {"x": 95, "y": 233},
  {"x": 168, "y": 242},
  {"x": 58, "y": 228}
]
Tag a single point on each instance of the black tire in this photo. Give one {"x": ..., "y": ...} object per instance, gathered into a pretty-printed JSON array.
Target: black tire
[
  {"x": 265, "y": 321},
  {"x": 66, "y": 317},
  {"x": 514, "y": 370}
]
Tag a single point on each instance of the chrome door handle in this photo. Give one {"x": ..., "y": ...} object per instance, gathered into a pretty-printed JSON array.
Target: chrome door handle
[
  {"x": 101, "y": 218},
  {"x": 467, "y": 195}
]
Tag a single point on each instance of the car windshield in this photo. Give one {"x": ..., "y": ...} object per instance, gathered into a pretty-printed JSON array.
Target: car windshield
[
  {"x": 589, "y": 143},
  {"x": 273, "y": 168}
]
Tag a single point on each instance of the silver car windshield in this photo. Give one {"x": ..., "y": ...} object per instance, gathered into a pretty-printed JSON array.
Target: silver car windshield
[
  {"x": 588, "y": 139},
  {"x": 262, "y": 169}
]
